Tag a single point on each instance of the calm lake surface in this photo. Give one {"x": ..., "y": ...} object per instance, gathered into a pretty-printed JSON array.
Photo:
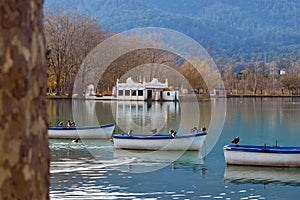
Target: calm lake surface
[{"x": 93, "y": 169}]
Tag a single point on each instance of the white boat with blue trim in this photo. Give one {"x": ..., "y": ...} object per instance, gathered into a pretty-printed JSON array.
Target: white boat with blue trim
[
  {"x": 277, "y": 156},
  {"x": 83, "y": 132},
  {"x": 191, "y": 141}
]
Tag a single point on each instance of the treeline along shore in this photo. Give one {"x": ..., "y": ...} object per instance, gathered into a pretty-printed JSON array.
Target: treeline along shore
[{"x": 255, "y": 76}]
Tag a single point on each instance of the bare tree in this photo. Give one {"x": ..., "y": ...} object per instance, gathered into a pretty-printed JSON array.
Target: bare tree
[
  {"x": 229, "y": 76},
  {"x": 157, "y": 58},
  {"x": 152, "y": 61},
  {"x": 251, "y": 75},
  {"x": 262, "y": 79},
  {"x": 70, "y": 37},
  {"x": 291, "y": 80},
  {"x": 291, "y": 83},
  {"x": 24, "y": 162},
  {"x": 193, "y": 77}
]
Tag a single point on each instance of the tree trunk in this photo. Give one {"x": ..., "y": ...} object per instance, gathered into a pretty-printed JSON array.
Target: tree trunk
[
  {"x": 24, "y": 150},
  {"x": 58, "y": 87}
]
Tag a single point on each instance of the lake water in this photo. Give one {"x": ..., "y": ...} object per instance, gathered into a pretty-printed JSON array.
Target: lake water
[{"x": 93, "y": 169}]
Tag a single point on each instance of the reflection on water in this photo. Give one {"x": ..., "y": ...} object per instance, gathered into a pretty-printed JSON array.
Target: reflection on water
[
  {"x": 142, "y": 117},
  {"x": 92, "y": 169},
  {"x": 147, "y": 161},
  {"x": 253, "y": 174},
  {"x": 77, "y": 174},
  {"x": 139, "y": 116},
  {"x": 103, "y": 150}
]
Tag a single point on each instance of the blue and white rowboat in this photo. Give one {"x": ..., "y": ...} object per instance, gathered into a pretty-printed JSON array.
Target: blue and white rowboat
[
  {"x": 83, "y": 132},
  {"x": 159, "y": 141},
  {"x": 279, "y": 156}
]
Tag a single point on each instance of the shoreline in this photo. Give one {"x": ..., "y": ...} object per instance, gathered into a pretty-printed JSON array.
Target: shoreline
[
  {"x": 183, "y": 98},
  {"x": 261, "y": 96}
]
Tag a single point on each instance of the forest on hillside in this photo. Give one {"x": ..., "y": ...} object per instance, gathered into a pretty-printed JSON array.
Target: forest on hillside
[{"x": 264, "y": 29}]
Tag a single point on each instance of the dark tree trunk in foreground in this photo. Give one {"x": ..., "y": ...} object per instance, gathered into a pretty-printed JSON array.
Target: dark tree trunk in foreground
[{"x": 24, "y": 151}]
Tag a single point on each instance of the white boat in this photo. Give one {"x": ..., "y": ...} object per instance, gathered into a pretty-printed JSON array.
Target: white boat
[
  {"x": 279, "y": 156},
  {"x": 83, "y": 132},
  {"x": 159, "y": 141}
]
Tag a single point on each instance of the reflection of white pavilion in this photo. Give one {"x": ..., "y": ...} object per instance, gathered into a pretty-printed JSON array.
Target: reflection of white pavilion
[
  {"x": 153, "y": 90},
  {"x": 141, "y": 116},
  {"x": 84, "y": 113}
]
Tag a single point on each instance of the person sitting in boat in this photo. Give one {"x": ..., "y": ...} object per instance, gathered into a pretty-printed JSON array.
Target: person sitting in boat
[
  {"x": 172, "y": 132},
  {"x": 203, "y": 129},
  {"x": 60, "y": 123}
]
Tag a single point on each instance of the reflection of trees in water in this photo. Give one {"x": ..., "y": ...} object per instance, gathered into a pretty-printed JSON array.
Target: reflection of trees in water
[
  {"x": 85, "y": 149},
  {"x": 137, "y": 115},
  {"x": 149, "y": 115},
  {"x": 196, "y": 168},
  {"x": 59, "y": 110},
  {"x": 60, "y": 154},
  {"x": 268, "y": 119}
]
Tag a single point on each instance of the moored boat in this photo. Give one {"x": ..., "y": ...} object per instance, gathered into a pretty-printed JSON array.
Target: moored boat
[
  {"x": 279, "y": 156},
  {"x": 83, "y": 132},
  {"x": 192, "y": 141}
]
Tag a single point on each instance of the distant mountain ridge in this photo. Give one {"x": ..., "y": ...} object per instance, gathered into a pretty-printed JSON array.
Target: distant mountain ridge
[{"x": 264, "y": 29}]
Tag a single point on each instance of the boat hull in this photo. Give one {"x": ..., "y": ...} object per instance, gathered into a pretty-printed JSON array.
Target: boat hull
[
  {"x": 159, "y": 142},
  {"x": 262, "y": 156},
  {"x": 83, "y": 132}
]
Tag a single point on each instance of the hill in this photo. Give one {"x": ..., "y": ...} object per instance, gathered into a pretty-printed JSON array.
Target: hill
[{"x": 260, "y": 29}]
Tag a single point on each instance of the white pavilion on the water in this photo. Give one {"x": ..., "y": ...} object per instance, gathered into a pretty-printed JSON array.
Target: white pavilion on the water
[{"x": 153, "y": 91}]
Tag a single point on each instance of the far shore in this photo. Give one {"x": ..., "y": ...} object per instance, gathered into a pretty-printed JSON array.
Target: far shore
[
  {"x": 261, "y": 96},
  {"x": 185, "y": 97}
]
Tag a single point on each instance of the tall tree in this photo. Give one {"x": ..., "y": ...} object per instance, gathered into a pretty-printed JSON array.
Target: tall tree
[
  {"x": 262, "y": 79},
  {"x": 229, "y": 77},
  {"x": 193, "y": 76},
  {"x": 24, "y": 150},
  {"x": 291, "y": 80},
  {"x": 139, "y": 64},
  {"x": 70, "y": 37}
]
